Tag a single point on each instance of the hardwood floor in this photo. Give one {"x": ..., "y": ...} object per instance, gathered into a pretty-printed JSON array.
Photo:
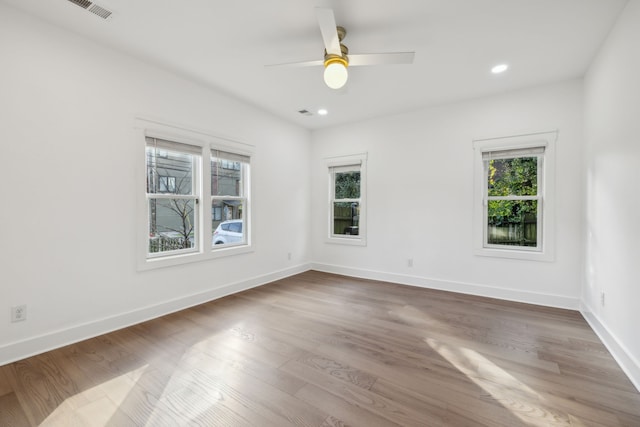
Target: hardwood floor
[{"x": 325, "y": 350}]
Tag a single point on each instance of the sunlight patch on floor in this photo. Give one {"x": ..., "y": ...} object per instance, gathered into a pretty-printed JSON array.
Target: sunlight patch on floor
[
  {"x": 95, "y": 406},
  {"x": 518, "y": 398},
  {"x": 193, "y": 384},
  {"x": 413, "y": 316},
  {"x": 198, "y": 382}
]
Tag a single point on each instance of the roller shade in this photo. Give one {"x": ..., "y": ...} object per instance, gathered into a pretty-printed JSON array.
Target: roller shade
[
  {"x": 510, "y": 154},
  {"x": 233, "y": 157},
  {"x": 345, "y": 168},
  {"x": 163, "y": 144}
]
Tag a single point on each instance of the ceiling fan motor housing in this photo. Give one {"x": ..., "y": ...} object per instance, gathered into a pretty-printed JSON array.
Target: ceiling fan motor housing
[{"x": 330, "y": 58}]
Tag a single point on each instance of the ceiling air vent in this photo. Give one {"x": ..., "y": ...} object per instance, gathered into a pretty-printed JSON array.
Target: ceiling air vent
[
  {"x": 93, "y": 8},
  {"x": 305, "y": 112},
  {"x": 82, "y": 3},
  {"x": 100, "y": 11}
]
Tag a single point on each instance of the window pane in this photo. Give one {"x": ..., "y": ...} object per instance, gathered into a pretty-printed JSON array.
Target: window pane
[
  {"x": 167, "y": 184},
  {"x": 171, "y": 224},
  {"x": 169, "y": 171},
  {"x": 513, "y": 177},
  {"x": 512, "y": 222},
  {"x": 347, "y": 185},
  {"x": 346, "y": 218},
  {"x": 226, "y": 177},
  {"x": 229, "y": 226}
]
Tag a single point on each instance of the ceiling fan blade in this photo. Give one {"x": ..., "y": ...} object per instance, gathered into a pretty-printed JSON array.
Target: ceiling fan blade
[
  {"x": 327, "y": 22},
  {"x": 296, "y": 64},
  {"x": 381, "y": 58}
]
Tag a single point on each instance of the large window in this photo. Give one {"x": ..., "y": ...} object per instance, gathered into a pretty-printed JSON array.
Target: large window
[
  {"x": 347, "y": 177},
  {"x": 196, "y": 200},
  {"x": 515, "y": 196}
]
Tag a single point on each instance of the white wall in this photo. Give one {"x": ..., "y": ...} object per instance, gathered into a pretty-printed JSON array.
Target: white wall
[
  {"x": 612, "y": 226},
  {"x": 420, "y": 194},
  {"x": 68, "y": 188}
]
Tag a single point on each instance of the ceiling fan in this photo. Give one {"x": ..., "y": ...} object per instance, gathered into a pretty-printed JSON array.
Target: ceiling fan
[{"x": 336, "y": 55}]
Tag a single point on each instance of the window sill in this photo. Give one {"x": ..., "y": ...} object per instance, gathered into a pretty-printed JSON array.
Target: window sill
[
  {"x": 545, "y": 256},
  {"x": 168, "y": 261},
  {"x": 348, "y": 241}
]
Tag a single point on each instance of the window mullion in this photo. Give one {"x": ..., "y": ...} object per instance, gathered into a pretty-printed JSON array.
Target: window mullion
[{"x": 205, "y": 208}]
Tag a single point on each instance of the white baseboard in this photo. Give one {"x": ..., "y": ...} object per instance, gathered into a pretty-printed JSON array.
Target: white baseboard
[
  {"x": 629, "y": 364},
  {"x": 56, "y": 339},
  {"x": 52, "y": 340},
  {"x": 548, "y": 300}
]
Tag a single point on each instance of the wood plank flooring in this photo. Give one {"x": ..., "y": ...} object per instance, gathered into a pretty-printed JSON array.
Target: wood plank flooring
[{"x": 324, "y": 350}]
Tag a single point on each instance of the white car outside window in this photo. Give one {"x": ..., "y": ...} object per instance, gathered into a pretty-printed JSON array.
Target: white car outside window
[{"x": 228, "y": 232}]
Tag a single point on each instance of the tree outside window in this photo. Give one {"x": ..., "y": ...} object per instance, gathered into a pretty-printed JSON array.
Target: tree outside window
[
  {"x": 512, "y": 201},
  {"x": 514, "y": 197},
  {"x": 346, "y": 206},
  {"x": 172, "y": 196},
  {"x": 347, "y": 180}
]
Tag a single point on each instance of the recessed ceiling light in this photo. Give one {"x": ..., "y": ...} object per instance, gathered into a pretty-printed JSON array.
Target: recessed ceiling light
[
  {"x": 501, "y": 68},
  {"x": 323, "y": 112}
]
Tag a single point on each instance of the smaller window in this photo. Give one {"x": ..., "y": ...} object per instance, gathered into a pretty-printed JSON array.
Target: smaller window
[
  {"x": 167, "y": 184},
  {"x": 216, "y": 213},
  {"x": 347, "y": 199},
  {"x": 513, "y": 198}
]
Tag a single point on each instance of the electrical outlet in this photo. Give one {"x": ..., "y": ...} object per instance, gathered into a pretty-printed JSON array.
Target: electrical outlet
[
  {"x": 410, "y": 262},
  {"x": 289, "y": 256},
  {"x": 602, "y": 299},
  {"x": 19, "y": 313}
]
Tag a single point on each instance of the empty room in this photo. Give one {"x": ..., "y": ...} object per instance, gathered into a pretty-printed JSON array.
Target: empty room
[{"x": 320, "y": 213}]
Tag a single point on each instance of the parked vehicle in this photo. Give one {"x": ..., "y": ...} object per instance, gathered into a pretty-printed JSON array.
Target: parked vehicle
[{"x": 228, "y": 232}]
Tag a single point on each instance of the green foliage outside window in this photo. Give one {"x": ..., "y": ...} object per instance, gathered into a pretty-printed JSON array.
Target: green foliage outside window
[
  {"x": 512, "y": 222},
  {"x": 346, "y": 214},
  {"x": 347, "y": 185},
  {"x": 512, "y": 177}
]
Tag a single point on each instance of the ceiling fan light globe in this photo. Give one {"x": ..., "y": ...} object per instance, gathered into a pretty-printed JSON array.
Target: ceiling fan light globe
[{"x": 335, "y": 75}]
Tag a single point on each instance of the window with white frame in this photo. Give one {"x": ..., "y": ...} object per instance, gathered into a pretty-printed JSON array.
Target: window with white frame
[
  {"x": 196, "y": 206},
  {"x": 514, "y": 177},
  {"x": 173, "y": 223},
  {"x": 347, "y": 208},
  {"x": 228, "y": 197}
]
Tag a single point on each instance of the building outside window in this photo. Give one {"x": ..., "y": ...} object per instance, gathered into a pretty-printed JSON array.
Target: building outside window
[
  {"x": 228, "y": 197},
  {"x": 182, "y": 223},
  {"x": 173, "y": 192},
  {"x": 167, "y": 184}
]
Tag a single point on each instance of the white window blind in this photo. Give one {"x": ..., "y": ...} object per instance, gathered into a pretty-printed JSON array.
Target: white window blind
[
  {"x": 225, "y": 155},
  {"x": 163, "y": 144},
  {"x": 510, "y": 154}
]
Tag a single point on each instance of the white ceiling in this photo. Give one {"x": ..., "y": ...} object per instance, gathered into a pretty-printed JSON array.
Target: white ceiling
[{"x": 226, "y": 45}]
